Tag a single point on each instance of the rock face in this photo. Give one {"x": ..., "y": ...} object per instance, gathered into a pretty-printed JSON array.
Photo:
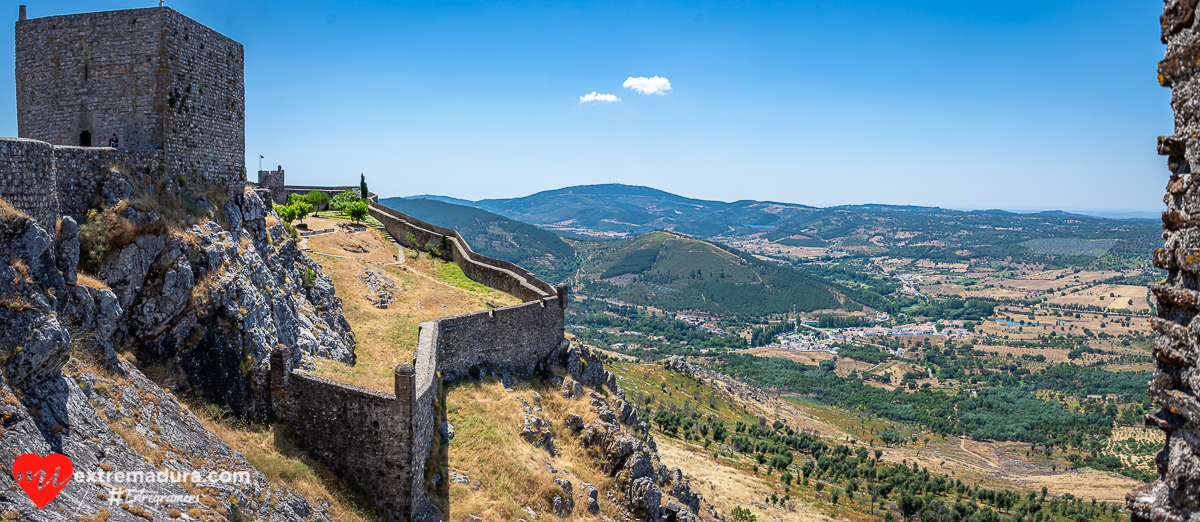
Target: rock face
[
  {"x": 53, "y": 403},
  {"x": 213, "y": 303},
  {"x": 1175, "y": 496}
]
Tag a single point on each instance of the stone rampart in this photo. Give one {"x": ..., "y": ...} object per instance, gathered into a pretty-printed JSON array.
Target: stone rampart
[
  {"x": 27, "y": 178},
  {"x": 365, "y": 435},
  {"x": 513, "y": 339},
  {"x": 47, "y": 181},
  {"x": 501, "y": 275}
]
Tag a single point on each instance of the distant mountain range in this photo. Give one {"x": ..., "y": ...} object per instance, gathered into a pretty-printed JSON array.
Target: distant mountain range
[{"x": 616, "y": 211}]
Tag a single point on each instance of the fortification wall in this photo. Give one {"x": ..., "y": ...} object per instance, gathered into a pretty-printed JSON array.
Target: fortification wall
[
  {"x": 79, "y": 171},
  {"x": 332, "y": 191},
  {"x": 501, "y": 275},
  {"x": 513, "y": 338},
  {"x": 364, "y": 434},
  {"x": 27, "y": 178},
  {"x": 92, "y": 72},
  {"x": 155, "y": 78},
  {"x": 204, "y": 119},
  {"x": 1175, "y": 496},
  {"x": 272, "y": 181},
  {"x": 47, "y": 181},
  {"x": 424, "y": 420}
]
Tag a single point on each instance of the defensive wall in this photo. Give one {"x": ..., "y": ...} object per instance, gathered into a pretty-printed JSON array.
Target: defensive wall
[
  {"x": 501, "y": 275},
  {"x": 47, "y": 181},
  {"x": 388, "y": 443},
  {"x": 274, "y": 187},
  {"x": 1175, "y": 496}
]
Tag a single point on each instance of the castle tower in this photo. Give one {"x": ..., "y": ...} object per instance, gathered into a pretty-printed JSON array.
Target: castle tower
[{"x": 155, "y": 78}]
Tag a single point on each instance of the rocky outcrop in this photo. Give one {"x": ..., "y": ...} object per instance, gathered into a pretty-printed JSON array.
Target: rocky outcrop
[
  {"x": 114, "y": 419},
  {"x": 212, "y": 302},
  {"x": 1175, "y": 496},
  {"x": 622, "y": 443}
]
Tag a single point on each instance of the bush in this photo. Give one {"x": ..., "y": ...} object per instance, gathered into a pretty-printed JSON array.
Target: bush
[
  {"x": 310, "y": 277},
  {"x": 103, "y": 231},
  {"x": 286, "y": 213},
  {"x": 340, "y": 201},
  {"x": 357, "y": 210}
]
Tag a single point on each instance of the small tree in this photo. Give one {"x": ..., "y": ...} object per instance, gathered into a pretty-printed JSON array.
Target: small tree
[
  {"x": 357, "y": 211},
  {"x": 741, "y": 514},
  {"x": 362, "y": 186},
  {"x": 301, "y": 210},
  {"x": 344, "y": 198},
  {"x": 317, "y": 199}
]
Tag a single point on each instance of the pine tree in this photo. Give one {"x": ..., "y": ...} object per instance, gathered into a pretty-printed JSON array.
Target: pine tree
[{"x": 362, "y": 186}]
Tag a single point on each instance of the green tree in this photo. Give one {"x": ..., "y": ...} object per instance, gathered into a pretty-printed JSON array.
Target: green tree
[
  {"x": 362, "y": 186},
  {"x": 357, "y": 211},
  {"x": 301, "y": 210}
]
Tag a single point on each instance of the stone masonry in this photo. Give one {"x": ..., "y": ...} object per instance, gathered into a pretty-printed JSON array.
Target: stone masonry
[
  {"x": 272, "y": 182},
  {"x": 1175, "y": 496},
  {"x": 385, "y": 442},
  {"x": 155, "y": 78}
]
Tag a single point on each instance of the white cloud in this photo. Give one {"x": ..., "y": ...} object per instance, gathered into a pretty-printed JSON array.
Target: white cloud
[
  {"x": 651, "y": 85},
  {"x": 598, "y": 97}
]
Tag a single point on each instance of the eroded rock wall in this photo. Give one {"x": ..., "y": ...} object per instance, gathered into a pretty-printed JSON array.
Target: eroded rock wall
[{"x": 1175, "y": 496}]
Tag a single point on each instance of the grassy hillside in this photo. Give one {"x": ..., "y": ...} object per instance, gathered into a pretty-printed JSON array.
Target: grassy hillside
[
  {"x": 675, "y": 272},
  {"x": 537, "y": 250}
]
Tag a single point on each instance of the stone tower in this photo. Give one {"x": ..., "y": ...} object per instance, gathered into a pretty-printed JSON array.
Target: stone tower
[
  {"x": 1175, "y": 496},
  {"x": 155, "y": 78}
]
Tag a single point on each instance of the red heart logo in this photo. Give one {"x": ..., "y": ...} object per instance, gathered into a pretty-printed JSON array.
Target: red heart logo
[{"x": 42, "y": 478}]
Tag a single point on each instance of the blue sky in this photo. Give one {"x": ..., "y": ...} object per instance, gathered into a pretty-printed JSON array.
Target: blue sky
[{"x": 1017, "y": 105}]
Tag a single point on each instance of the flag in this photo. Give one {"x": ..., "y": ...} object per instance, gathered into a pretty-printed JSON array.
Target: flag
[{"x": 261, "y": 157}]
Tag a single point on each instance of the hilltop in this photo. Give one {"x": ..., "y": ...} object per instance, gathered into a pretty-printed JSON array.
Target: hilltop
[{"x": 677, "y": 272}]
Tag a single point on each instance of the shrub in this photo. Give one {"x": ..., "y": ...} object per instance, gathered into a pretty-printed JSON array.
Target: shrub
[
  {"x": 103, "y": 231},
  {"x": 340, "y": 201},
  {"x": 310, "y": 277},
  {"x": 287, "y": 213},
  {"x": 357, "y": 210}
]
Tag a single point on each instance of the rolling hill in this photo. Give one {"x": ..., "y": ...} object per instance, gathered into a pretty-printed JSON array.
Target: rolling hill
[
  {"x": 537, "y": 250},
  {"x": 937, "y": 234},
  {"x": 677, "y": 273}
]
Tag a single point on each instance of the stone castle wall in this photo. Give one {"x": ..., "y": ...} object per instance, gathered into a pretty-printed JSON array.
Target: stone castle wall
[
  {"x": 365, "y": 435},
  {"x": 272, "y": 182},
  {"x": 155, "y": 78},
  {"x": 204, "y": 117},
  {"x": 91, "y": 72},
  {"x": 1175, "y": 496},
  {"x": 80, "y": 171},
  {"x": 501, "y": 275},
  {"x": 48, "y": 181},
  {"x": 27, "y": 178}
]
